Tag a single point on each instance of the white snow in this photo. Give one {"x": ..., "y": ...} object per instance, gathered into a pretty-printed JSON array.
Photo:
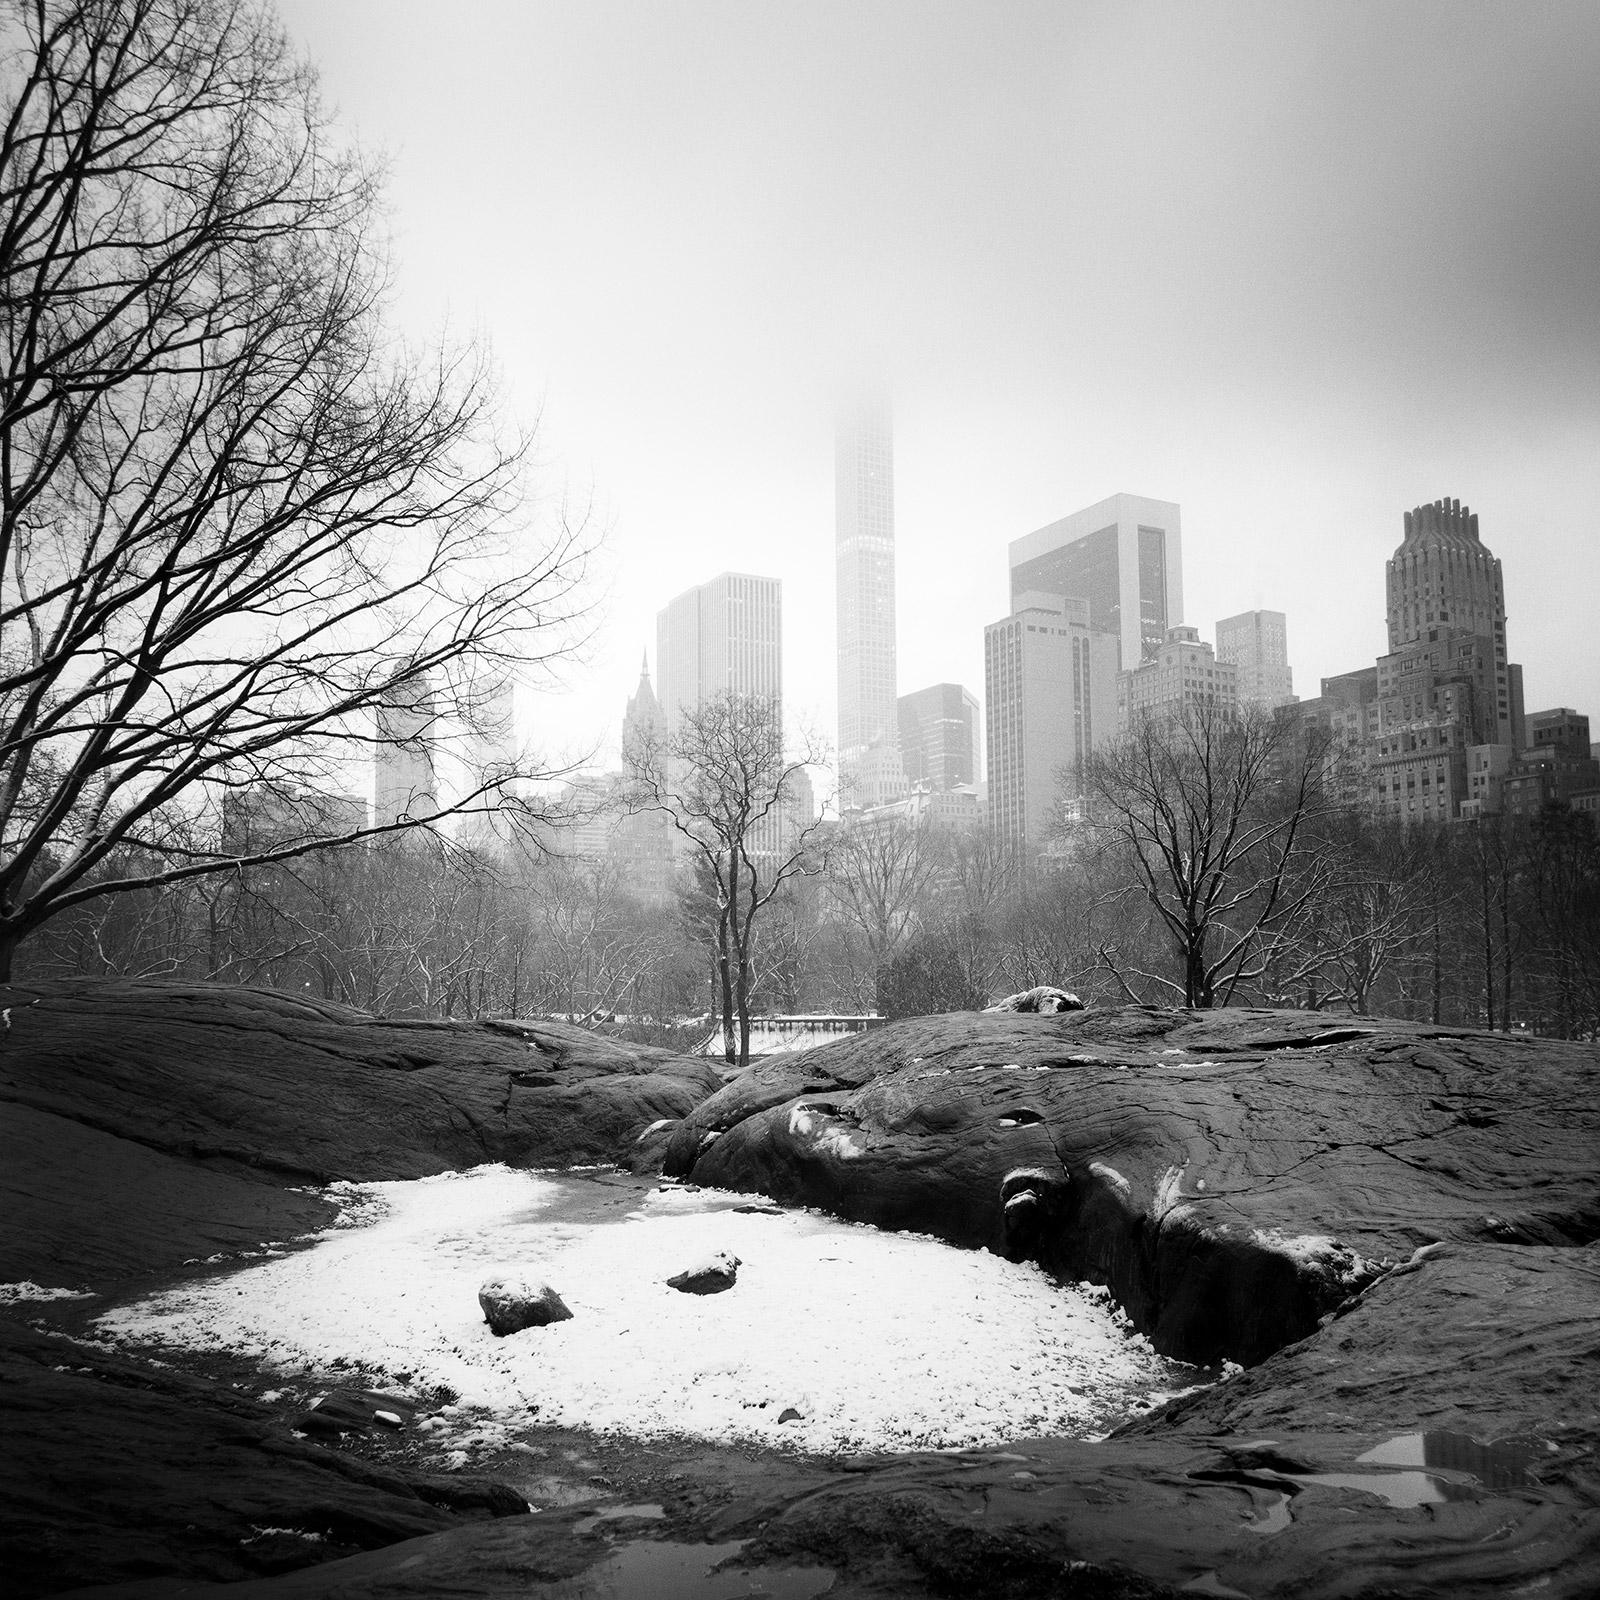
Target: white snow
[
  {"x": 14, "y": 1293},
  {"x": 877, "y": 1340}
]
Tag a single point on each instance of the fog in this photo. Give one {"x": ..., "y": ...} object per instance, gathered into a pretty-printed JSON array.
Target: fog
[{"x": 1298, "y": 268}]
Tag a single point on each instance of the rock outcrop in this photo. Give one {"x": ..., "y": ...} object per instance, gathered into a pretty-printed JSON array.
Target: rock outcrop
[
  {"x": 148, "y": 1129},
  {"x": 1232, "y": 1176},
  {"x": 1392, "y": 1227},
  {"x": 189, "y": 1114}
]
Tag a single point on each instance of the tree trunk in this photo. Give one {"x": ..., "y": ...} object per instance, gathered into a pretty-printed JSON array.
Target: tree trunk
[
  {"x": 725, "y": 987},
  {"x": 10, "y": 938}
]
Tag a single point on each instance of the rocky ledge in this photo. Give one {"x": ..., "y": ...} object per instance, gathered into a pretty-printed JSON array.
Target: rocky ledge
[{"x": 1387, "y": 1231}]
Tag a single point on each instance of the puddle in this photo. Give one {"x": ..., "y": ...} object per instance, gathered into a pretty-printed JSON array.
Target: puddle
[
  {"x": 642, "y": 1513},
  {"x": 1274, "y": 1519},
  {"x": 1210, "y": 1583},
  {"x": 662, "y": 1571},
  {"x": 1501, "y": 1465},
  {"x": 1402, "y": 1490}
]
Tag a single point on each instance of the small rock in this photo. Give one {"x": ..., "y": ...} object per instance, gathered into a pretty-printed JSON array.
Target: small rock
[
  {"x": 710, "y": 1276},
  {"x": 512, "y": 1304}
]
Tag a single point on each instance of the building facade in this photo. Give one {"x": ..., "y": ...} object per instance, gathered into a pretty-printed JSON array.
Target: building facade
[
  {"x": 1257, "y": 644},
  {"x": 1124, "y": 556},
  {"x": 1050, "y": 698},
  {"x": 1183, "y": 676},
  {"x": 1445, "y": 687},
  {"x": 940, "y": 737},
  {"x": 725, "y": 636},
  {"x": 405, "y": 784},
  {"x": 869, "y": 766}
]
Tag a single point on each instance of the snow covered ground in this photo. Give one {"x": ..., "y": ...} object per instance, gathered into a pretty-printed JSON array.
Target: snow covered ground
[{"x": 835, "y": 1337}]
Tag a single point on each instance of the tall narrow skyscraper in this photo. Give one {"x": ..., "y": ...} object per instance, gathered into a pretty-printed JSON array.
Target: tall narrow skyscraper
[{"x": 869, "y": 757}]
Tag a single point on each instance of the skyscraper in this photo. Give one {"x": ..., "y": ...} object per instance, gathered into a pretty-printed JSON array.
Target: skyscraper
[
  {"x": 940, "y": 737},
  {"x": 869, "y": 762},
  {"x": 1124, "y": 556},
  {"x": 1257, "y": 643},
  {"x": 1445, "y": 688},
  {"x": 1050, "y": 697},
  {"x": 408, "y": 731},
  {"x": 725, "y": 635}
]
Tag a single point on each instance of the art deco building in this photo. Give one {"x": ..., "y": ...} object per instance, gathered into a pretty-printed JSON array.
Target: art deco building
[
  {"x": 1050, "y": 697},
  {"x": 1257, "y": 643},
  {"x": 1124, "y": 556},
  {"x": 1446, "y": 687},
  {"x": 869, "y": 761}
]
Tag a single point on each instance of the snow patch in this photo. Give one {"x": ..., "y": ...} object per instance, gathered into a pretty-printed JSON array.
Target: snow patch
[
  {"x": 14, "y": 1293},
  {"x": 836, "y": 1336},
  {"x": 1110, "y": 1175},
  {"x": 826, "y": 1134}
]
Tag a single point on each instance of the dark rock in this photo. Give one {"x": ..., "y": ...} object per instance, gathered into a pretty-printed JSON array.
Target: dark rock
[
  {"x": 1395, "y": 1226},
  {"x": 186, "y": 1111},
  {"x": 354, "y": 1411},
  {"x": 114, "y": 1469},
  {"x": 711, "y": 1276},
  {"x": 1232, "y": 1176},
  {"x": 512, "y": 1304}
]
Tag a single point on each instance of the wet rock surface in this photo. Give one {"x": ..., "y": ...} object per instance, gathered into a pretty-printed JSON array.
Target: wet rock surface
[
  {"x": 1231, "y": 1176},
  {"x": 187, "y": 1115},
  {"x": 1393, "y": 1229}
]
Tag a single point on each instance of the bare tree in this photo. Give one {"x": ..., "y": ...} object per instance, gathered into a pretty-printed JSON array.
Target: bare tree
[
  {"x": 727, "y": 782},
  {"x": 236, "y": 516},
  {"x": 1211, "y": 809},
  {"x": 878, "y": 875}
]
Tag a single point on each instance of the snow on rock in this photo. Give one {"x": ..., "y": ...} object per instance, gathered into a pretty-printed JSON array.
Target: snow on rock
[
  {"x": 709, "y": 1275},
  {"x": 511, "y": 1304},
  {"x": 16, "y": 1293},
  {"x": 857, "y": 1339}
]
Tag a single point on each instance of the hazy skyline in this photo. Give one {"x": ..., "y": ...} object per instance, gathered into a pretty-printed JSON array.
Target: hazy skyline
[{"x": 1298, "y": 268}]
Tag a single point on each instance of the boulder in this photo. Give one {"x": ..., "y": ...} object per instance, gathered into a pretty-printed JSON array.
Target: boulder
[
  {"x": 512, "y": 1304},
  {"x": 710, "y": 1276},
  {"x": 192, "y": 1116},
  {"x": 1232, "y": 1176}
]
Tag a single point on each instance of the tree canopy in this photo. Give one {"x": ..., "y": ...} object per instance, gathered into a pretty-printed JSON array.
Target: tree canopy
[{"x": 238, "y": 516}]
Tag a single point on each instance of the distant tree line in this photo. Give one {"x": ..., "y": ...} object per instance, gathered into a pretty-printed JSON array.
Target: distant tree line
[{"x": 1203, "y": 866}]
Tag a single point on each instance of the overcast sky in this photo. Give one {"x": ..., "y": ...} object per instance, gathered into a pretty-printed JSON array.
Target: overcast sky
[{"x": 1297, "y": 267}]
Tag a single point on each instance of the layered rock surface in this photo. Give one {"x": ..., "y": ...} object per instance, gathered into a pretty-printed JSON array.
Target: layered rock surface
[
  {"x": 147, "y": 1127},
  {"x": 187, "y": 1115},
  {"x": 1393, "y": 1227},
  {"x": 1232, "y": 1176}
]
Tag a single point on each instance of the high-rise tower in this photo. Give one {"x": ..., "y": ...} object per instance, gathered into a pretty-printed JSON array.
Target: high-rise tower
[
  {"x": 1124, "y": 556},
  {"x": 724, "y": 636},
  {"x": 1445, "y": 688},
  {"x": 1447, "y": 623},
  {"x": 869, "y": 757},
  {"x": 1257, "y": 643}
]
